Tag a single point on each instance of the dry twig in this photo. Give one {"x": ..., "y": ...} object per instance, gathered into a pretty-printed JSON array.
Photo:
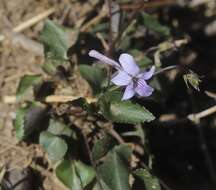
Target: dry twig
[
  {"x": 95, "y": 20},
  {"x": 51, "y": 99},
  {"x": 146, "y": 5},
  {"x": 31, "y": 22},
  {"x": 197, "y": 116},
  {"x": 211, "y": 94}
]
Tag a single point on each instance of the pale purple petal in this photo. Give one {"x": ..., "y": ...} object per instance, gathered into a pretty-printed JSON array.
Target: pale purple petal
[
  {"x": 129, "y": 92},
  {"x": 128, "y": 64},
  {"x": 103, "y": 58},
  {"x": 147, "y": 74},
  {"x": 121, "y": 79},
  {"x": 143, "y": 89}
]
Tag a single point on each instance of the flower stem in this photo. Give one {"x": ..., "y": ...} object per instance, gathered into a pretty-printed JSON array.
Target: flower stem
[
  {"x": 180, "y": 67},
  {"x": 114, "y": 88},
  {"x": 166, "y": 69}
]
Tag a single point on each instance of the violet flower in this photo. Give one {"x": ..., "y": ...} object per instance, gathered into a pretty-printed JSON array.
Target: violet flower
[{"x": 128, "y": 74}]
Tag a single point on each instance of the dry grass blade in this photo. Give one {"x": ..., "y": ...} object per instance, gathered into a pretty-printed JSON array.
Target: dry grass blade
[
  {"x": 61, "y": 99},
  {"x": 196, "y": 117},
  {"x": 31, "y": 22},
  {"x": 211, "y": 94},
  {"x": 146, "y": 5},
  {"x": 51, "y": 99}
]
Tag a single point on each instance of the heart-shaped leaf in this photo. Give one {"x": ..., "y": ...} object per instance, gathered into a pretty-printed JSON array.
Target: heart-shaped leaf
[
  {"x": 28, "y": 119},
  {"x": 26, "y": 83},
  {"x": 66, "y": 173},
  {"x": 55, "y": 146},
  {"x": 54, "y": 40},
  {"x": 85, "y": 172},
  {"x": 75, "y": 174},
  {"x": 55, "y": 44},
  {"x": 59, "y": 128},
  {"x": 115, "y": 169}
]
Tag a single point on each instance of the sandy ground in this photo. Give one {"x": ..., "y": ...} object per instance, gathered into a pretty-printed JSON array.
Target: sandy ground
[
  {"x": 20, "y": 58},
  {"x": 16, "y": 61}
]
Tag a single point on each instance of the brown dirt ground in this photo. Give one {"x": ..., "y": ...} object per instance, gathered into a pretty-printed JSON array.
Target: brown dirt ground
[{"x": 16, "y": 61}]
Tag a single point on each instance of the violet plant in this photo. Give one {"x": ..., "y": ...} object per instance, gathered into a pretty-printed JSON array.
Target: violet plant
[{"x": 105, "y": 162}]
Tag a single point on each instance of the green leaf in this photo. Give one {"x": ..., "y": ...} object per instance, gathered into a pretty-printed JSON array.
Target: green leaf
[
  {"x": 102, "y": 146},
  {"x": 115, "y": 169},
  {"x": 95, "y": 76},
  {"x": 49, "y": 66},
  {"x": 128, "y": 112},
  {"x": 101, "y": 186},
  {"x": 26, "y": 83},
  {"x": 66, "y": 173},
  {"x": 55, "y": 43},
  {"x": 123, "y": 111},
  {"x": 58, "y": 128},
  {"x": 113, "y": 95},
  {"x": 55, "y": 146},
  {"x": 20, "y": 122},
  {"x": 151, "y": 182},
  {"x": 28, "y": 119},
  {"x": 85, "y": 173},
  {"x": 153, "y": 24},
  {"x": 75, "y": 174}
]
